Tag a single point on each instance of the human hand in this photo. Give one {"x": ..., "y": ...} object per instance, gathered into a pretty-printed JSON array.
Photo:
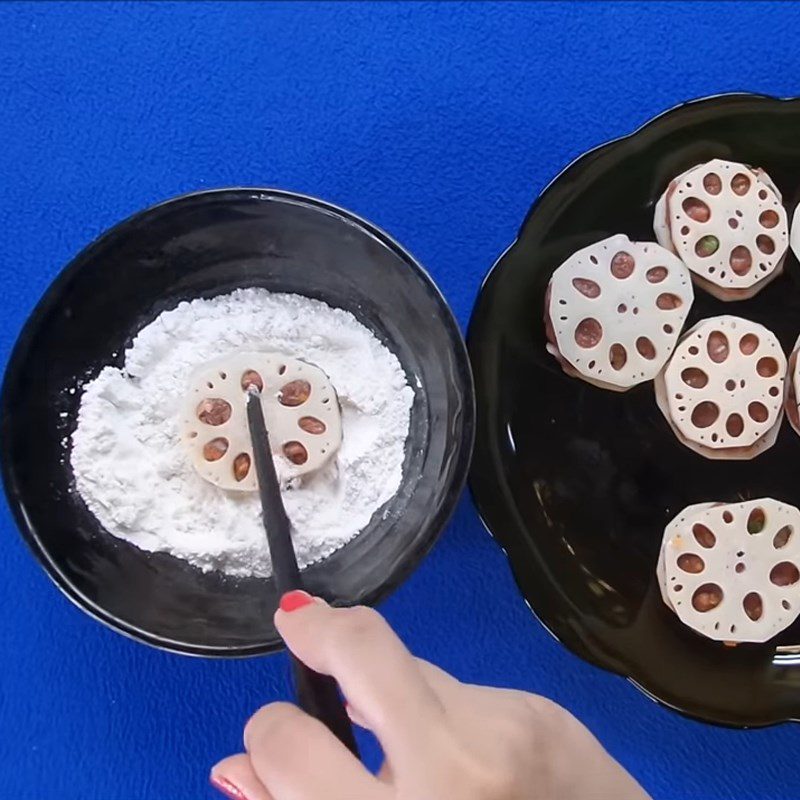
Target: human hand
[{"x": 441, "y": 738}]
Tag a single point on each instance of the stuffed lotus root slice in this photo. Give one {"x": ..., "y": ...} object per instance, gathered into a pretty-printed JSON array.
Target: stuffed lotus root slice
[
  {"x": 737, "y": 590},
  {"x": 726, "y": 221},
  {"x": 300, "y": 412},
  {"x": 603, "y": 320},
  {"x": 733, "y": 370}
]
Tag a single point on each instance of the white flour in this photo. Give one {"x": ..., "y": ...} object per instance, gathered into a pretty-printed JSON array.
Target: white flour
[{"x": 134, "y": 474}]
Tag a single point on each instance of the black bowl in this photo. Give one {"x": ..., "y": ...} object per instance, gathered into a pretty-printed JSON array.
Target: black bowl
[
  {"x": 577, "y": 483},
  {"x": 202, "y": 245}
]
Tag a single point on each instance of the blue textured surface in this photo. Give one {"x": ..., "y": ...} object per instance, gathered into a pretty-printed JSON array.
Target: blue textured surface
[{"x": 438, "y": 122}]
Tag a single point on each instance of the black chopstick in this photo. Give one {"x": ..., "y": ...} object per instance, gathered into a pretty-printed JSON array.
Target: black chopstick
[{"x": 317, "y": 695}]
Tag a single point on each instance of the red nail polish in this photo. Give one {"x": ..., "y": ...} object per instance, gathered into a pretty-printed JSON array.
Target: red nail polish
[
  {"x": 291, "y": 601},
  {"x": 230, "y": 791}
]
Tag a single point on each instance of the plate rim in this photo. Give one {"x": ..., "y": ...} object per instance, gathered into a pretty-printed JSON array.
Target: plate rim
[
  {"x": 21, "y": 347},
  {"x": 637, "y": 680}
]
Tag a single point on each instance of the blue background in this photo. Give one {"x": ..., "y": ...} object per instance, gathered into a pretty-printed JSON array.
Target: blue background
[{"x": 440, "y": 123}]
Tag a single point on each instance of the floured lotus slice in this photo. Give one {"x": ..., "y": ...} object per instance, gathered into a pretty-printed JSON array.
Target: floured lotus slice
[
  {"x": 301, "y": 411},
  {"x": 731, "y": 571},
  {"x": 614, "y": 310},
  {"x": 727, "y": 223},
  {"x": 722, "y": 392},
  {"x": 793, "y": 389}
]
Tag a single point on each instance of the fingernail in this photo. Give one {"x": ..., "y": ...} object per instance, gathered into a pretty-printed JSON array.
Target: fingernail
[
  {"x": 291, "y": 601},
  {"x": 230, "y": 790}
]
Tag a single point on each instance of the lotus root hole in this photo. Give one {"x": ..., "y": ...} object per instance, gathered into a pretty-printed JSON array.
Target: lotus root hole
[
  {"x": 739, "y": 568},
  {"x": 617, "y": 355},
  {"x": 223, "y": 375},
  {"x": 786, "y": 604},
  {"x": 774, "y": 391},
  {"x": 622, "y": 265},
  {"x": 693, "y": 351},
  {"x": 210, "y": 385},
  {"x": 295, "y": 452},
  {"x": 769, "y": 219},
  {"x": 645, "y": 348},
  {"x": 251, "y": 378},
  {"x": 282, "y": 367},
  {"x": 765, "y": 244},
  {"x": 215, "y": 449},
  {"x": 706, "y": 597},
  {"x": 730, "y": 385},
  {"x": 622, "y": 308},
  {"x": 312, "y": 425},
  {"x": 667, "y": 301},
  {"x": 706, "y": 246},
  {"x": 748, "y": 344},
  {"x": 712, "y": 183},
  {"x": 689, "y": 562},
  {"x": 696, "y": 209},
  {"x": 656, "y": 274},
  {"x": 214, "y": 411},
  {"x": 685, "y": 230},
  {"x": 740, "y": 184},
  {"x": 717, "y": 347},
  {"x": 295, "y": 393},
  {"x": 782, "y": 537},
  {"x": 734, "y": 425},
  {"x": 767, "y": 367},
  {"x": 703, "y": 535},
  {"x": 588, "y": 333},
  {"x": 740, "y": 260},
  {"x": 733, "y": 223},
  {"x": 668, "y": 329},
  {"x": 586, "y": 287},
  {"x": 757, "y": 411},
  {"x": 694, "y": 377},
  {"x": 593, "y": 259},
  {"x": 784, "y": 574},
  {"x": 727, "y": 517},
  {"x": 241, "y": 466},
  {"x": 705, "y": 414},
  {"x": 192, "y": 434},
  {"x": 753, "y": 606},
  {"x": 756, "y": 520}
]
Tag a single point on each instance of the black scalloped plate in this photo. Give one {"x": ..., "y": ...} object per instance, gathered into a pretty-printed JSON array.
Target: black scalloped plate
[{"x": 577, "y": 483}]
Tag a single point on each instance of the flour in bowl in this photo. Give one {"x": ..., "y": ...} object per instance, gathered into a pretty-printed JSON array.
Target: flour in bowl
[{"x": 135, "y": 476}]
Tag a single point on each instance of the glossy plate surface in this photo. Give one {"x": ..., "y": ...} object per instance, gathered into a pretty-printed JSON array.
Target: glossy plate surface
[
  {"x": 203, "y": 245},
  {"x": 577, "y": 483}
]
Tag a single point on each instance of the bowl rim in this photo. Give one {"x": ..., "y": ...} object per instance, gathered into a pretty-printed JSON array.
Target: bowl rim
[
  {"x": 485, "y": 437},
  {"x": 19, "y": 353}
]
